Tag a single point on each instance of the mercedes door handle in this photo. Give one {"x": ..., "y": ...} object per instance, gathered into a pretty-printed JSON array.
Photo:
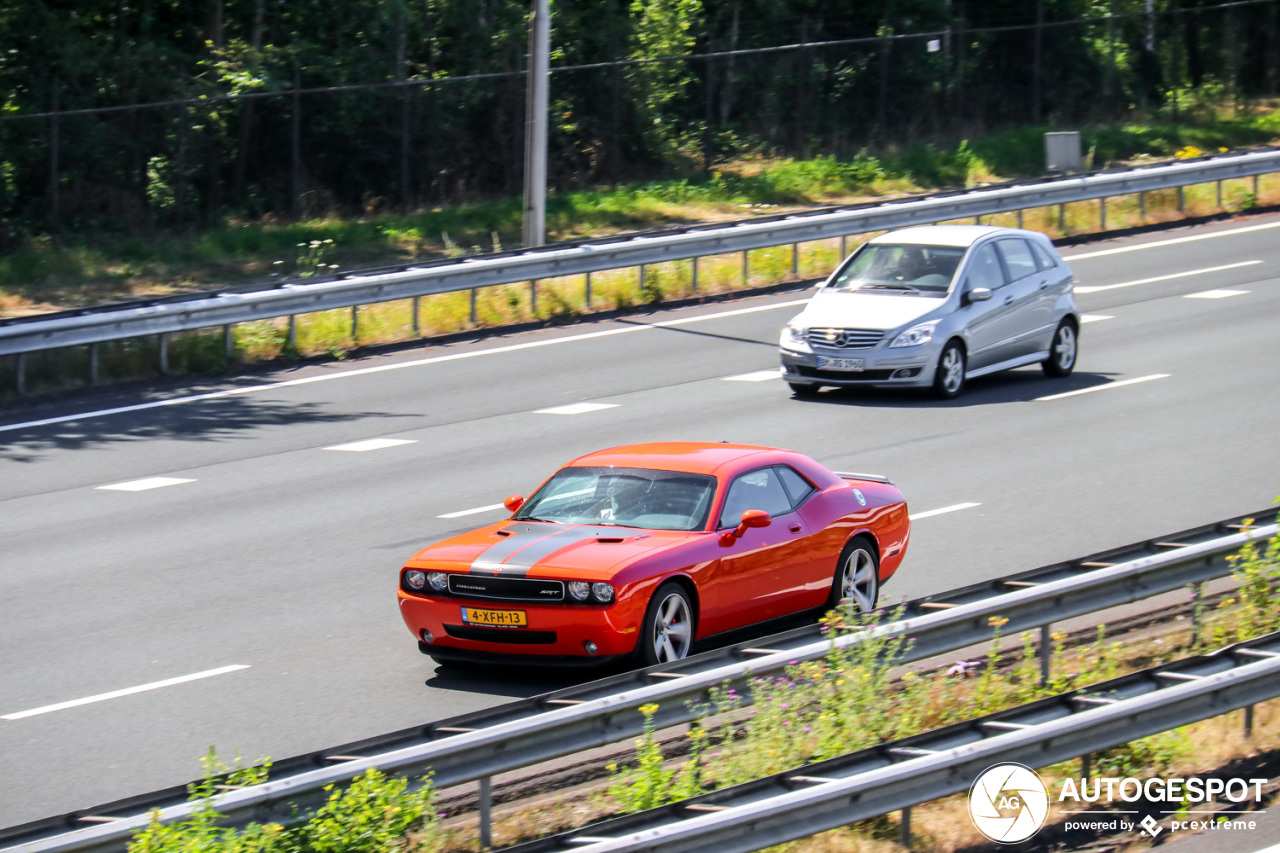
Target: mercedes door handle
[{"x": 1008, "y": 300}]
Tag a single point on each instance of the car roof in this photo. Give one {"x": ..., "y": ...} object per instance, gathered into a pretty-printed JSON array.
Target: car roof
[
  {"x": 695, "y": 457},
  {"x": 944, "y": 235}
]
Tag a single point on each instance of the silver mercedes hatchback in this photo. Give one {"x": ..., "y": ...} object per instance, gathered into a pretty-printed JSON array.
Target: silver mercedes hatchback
[{"x": 933, "y": 307}]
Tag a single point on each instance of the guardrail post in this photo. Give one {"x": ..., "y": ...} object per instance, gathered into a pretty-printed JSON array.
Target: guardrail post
[
  {"x": 474, "y": 291},
  {"x": 164, "y": 355},
  {"x": 644, "y": 275},
  {"x": 1046, "y": 654},
  {"x": 20, "y": 374},
  {"x": 1142, "y": 205},
  {"x": 1255, "y": 189},
  {"x": 1102, "y": 213},
  {"x": 93, "y": 364},
  {"x": 694, "y": 282},
  {"x": 228, "y": 343},
  {"x": 746, "y": 268},
  {"x": 1019, "y": 217},
  {"x": 533, "y": 297},
  {"x": 1062, "y": 217},
  {"x": 1181, "y": 200},
  {"x": 844, "y": 246},
  {"x": 587, "y": 295},
  {"x": 291, "y": 334},
  {"x": 1248, "y": 721},
  {"x": 355, "y": 325},
  {"x": 904, "y": 828},
  {"x": 1086, "y": 765},
  {"x": 486, "y": 813},
  {"x": 795, "y": 260},
  {"x": 1219, "y": 195},
  {"x": 417, "y": 311}
]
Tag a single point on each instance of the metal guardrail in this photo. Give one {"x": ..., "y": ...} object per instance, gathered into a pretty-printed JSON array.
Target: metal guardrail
[
  {"x": 896, "y": 775},
  {"x": 479, "y": 745},
  {"x": 167, "y": 316}
]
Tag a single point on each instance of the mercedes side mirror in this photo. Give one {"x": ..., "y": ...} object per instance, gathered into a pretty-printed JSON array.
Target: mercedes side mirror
[{"x": 978, "y": 294}]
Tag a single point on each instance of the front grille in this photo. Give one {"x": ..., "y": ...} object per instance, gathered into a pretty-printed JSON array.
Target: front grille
[
  {"x": 506, "y": 589},
  {"x": 843, "y": 375},
  {"x": 847, "y": 339},
  {"x": 515, "y": 636}
]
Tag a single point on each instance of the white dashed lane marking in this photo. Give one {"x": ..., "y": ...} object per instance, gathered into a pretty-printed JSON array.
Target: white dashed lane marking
[
  {"x": 757, "y": 376},
  {"x": 144, "y": 485},
  {"x": 128, "y": 691},
  {"x": 942, "y": 511},
  {"x": 1215, "y": 294},
  {"x": 476, "y": 511},
  {"x": 371, "y": 444},
  {"x": 1095, "y": 318},
  {"x": 1109, "y": 385},
  {"x": 576, "y": 409},
  {"x": 1101, "y": 287}
]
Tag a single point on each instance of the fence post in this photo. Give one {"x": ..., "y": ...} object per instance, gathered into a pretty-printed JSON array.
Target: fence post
[
  {"x": 1046, "y": 654},
  {"x": 486, "y": 813}
]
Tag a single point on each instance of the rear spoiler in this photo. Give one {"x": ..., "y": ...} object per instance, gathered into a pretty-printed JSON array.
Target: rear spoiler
[{"x": 878, "y": 478}]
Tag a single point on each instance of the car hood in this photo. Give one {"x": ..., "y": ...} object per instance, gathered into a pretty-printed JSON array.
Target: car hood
[
  {"x": 544, "y": 549},
  {"x": 866, "y": 310}
]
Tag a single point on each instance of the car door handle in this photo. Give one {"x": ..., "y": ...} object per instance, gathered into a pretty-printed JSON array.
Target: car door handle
[
  {"x": 1044, "y": 285},
  {"x": 1008, "y": 300},
  {"x": 795, "y": 528}
]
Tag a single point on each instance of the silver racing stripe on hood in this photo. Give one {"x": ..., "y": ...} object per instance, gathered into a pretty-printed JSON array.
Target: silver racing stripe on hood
[{"x": 530, "y": 543}]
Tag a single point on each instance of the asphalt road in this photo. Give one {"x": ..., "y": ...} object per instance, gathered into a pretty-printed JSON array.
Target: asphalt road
[{"x": 257, "y": 589}]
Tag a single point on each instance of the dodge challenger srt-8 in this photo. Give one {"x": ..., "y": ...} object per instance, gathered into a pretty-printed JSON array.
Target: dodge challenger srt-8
[{"x": 646, "y": 549}]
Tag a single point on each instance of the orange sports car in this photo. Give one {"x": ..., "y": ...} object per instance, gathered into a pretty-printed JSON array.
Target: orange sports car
[{"x": 646, "y": 549}]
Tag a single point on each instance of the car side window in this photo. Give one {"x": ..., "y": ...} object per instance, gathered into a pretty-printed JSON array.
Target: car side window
[
  {"x": 797, "y": 487},
  {"x": 759, "y": 489},
  {"x": 1018, "y": 259},
  {"x": 1044, "y": 259},
  {"x": 984, "y": 269}
]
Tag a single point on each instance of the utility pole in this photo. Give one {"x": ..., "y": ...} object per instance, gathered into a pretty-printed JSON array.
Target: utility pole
[{"x": 535, "y": 126}]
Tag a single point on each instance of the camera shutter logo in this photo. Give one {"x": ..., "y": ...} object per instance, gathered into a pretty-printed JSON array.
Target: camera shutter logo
[{"x": 1009, "y": 803}]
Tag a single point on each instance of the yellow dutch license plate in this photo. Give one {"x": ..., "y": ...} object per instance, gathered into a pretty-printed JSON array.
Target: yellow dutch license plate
[{"x": 494, "y": 618}]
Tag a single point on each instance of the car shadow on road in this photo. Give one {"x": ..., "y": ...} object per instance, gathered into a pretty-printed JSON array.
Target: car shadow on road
[
  {"x": 1015, "y": 386},
  {"x": 515, "y": 680}
]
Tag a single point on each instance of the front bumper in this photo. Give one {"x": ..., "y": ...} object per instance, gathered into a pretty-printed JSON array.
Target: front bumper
[
  {"x": 906, "y": 367},
  {"x": 553, "y": 631}
]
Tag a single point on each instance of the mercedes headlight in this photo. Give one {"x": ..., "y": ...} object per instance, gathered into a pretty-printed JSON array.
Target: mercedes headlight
[{"x": 916, "y": 335}]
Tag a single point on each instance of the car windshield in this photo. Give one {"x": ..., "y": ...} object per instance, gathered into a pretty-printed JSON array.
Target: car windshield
[
  {"x": 907, "y": 269},
  {"x": 622, "y": 497}
]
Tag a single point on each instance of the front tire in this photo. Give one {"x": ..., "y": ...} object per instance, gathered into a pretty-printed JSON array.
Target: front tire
[
  {"x": 667, "y": 634},
  {"x": 857, "y": 577},
  {"x": 1062, "y": 352},
  {"x": 948, "y": 379},
  {"x": 803, "y": 389}
]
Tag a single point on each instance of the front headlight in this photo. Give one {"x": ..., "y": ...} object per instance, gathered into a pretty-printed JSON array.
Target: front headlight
[
  {"x": 603, "y": 592},
  {"x": 415, "y": 579},
  {"x": 579, "y": 590},
  {"x": 795, "y": 336},
  {"x": 916, "y": 335},
  {"x": 439, "y": 581}
]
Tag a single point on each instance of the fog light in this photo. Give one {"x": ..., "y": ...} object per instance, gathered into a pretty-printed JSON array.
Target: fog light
[
  {"x": 590, "y": 647},
  {"x": 426, "y": 636}
]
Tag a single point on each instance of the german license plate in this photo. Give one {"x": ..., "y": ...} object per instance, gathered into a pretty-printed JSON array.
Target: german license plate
[
  {"x": 851, "y": 364},
  {"x": 494, "y": 618}
]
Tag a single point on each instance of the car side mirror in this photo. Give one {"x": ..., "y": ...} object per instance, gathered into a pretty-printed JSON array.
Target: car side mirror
[
  {"x": 514, "y": 502},
  {"x": 750, "y": 518},
  {"x": 978, "y": 294}
]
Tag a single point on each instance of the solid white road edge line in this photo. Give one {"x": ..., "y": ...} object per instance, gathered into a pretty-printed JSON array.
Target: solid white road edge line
[
  {"x": 916, "y": 516},
  {"x": 1174, "y": 241},
  {"x": 128, "y": 691},
  {"x": 362, "y": 371},
  {"x": 1101, "y": 287},
  {"x": 1119, "y": 384}
]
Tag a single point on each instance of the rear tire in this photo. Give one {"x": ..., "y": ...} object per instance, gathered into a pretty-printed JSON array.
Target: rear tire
[
  {"x": 857, "y": 576},
  {"x": 1062, "y": 352},
  {"x": 667, "y": 631},
  {"x": 948, "y": 379}
]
